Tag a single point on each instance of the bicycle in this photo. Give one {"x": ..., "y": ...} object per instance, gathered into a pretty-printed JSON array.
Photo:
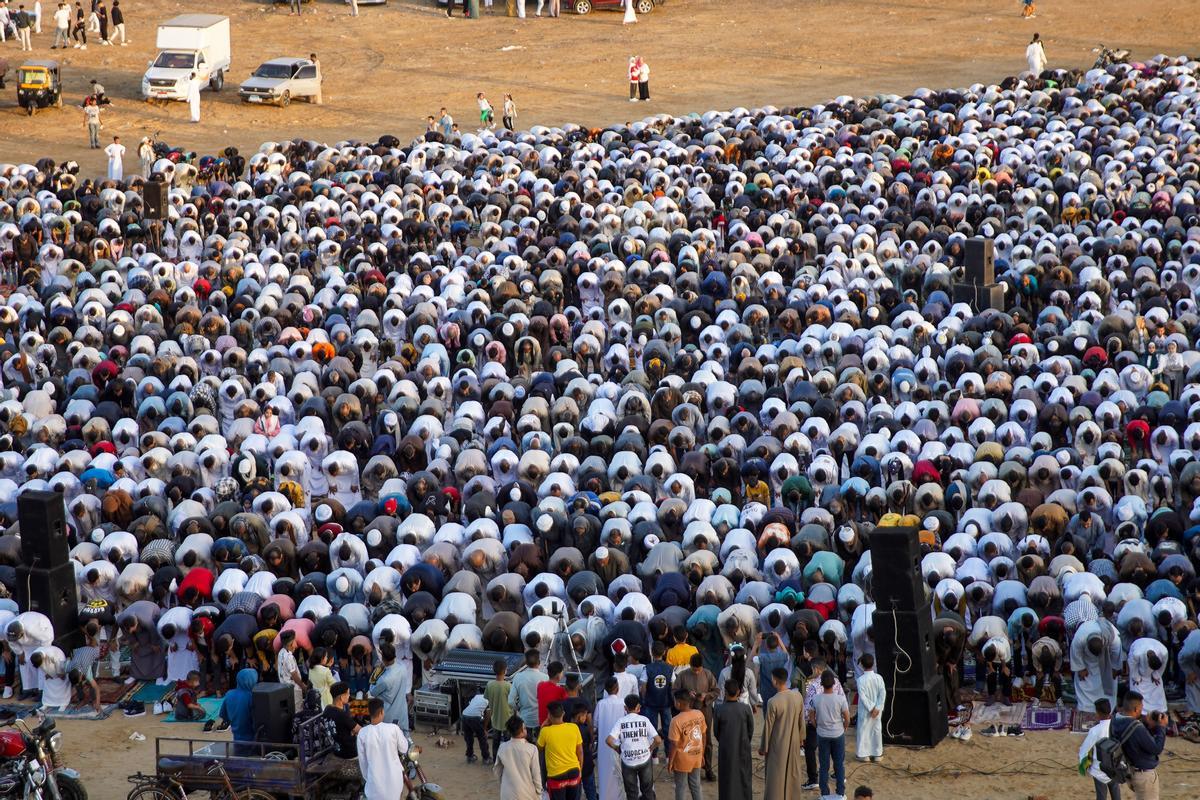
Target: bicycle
[{"x": 169, "y": 787}]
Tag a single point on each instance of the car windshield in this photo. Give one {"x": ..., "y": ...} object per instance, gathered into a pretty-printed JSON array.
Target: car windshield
[
  {"x": 274, "y": 71},
  {"x": 170, "y": 60},
  {"x": 35, "y": 77}
]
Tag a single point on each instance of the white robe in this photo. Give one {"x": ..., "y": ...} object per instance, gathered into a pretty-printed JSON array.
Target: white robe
[
  {"x": 378, "y": 749},
  {"x": 1148, "y": 682},
  {"x": 608, "y": 761},
  {"x": 1035, "y": 54},
  {"x": 116, "y": 166},
  {"x": 1099, "y": 681},
  {"x": 1189, "y": 659},
  {"x": 871, "y": 696},
  {"x": 193, "y": 99},
  {"x": 630, "y": 12}
]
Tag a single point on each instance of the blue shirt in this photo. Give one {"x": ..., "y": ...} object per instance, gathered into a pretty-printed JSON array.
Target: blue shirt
[{"x": 1143, "y": 747}]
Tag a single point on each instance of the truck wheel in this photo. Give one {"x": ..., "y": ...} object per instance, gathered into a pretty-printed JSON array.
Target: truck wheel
[
  {"x": 583, "y": 6},
  {"x": 217, "y": 81},
  {"x": 285, "y": 99},
  {"x": 644, "y": 6}
]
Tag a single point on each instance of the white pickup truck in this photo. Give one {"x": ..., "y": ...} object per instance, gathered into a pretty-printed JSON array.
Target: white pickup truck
[{"x": 188, "y": 43}]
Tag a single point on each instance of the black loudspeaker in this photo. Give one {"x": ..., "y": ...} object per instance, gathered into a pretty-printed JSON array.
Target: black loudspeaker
[
  {"x": 896, "y": 570},
  {"x": 52, "y": 592},
  {"x": 273, "y": 707},
  {"x": 154, "y": 198},
  {"x": 979, "y": 296},
  {"x": 981, "y": 261},
  {"x": 904, "y": 652},
  {"x": 43, "y": 521},
  {"x": 915, "y": 717}
]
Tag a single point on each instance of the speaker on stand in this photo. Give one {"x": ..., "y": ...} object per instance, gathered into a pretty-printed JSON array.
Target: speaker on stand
[
  {"x": 46, "y": 579},
  {"x": 914, "y": 713}
]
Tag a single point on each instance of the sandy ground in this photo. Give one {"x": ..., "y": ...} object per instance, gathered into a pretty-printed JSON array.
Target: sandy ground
[
  {"x": 393, "y": 65},
  {"x": 1042, "y": 764}
]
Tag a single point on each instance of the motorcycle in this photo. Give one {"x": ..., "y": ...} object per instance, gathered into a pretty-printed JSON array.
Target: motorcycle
[
  {"x": 1107, "y": 56},
  {"x": 417, "y": 788},
  {"x": 28, "y": 763}
]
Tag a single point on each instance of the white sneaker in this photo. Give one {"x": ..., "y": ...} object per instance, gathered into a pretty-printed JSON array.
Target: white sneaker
[
  {"x": 161, "y": 682},
  {"x": 7, "y": 692},
  {"x": 130, "y": 681},
  {"x": 964, "y": 733},
  {"x": 83, "y": 47},
  {"x": 77, "y": 45},
  {"x": 158, "y": 708}
]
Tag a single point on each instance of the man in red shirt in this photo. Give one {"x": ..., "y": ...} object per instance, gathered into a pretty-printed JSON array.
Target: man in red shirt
[{"x": 550, "y": 691}]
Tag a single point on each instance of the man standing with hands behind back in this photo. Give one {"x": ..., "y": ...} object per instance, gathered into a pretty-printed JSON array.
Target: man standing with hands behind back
[{"x": 1142, "y": 746}]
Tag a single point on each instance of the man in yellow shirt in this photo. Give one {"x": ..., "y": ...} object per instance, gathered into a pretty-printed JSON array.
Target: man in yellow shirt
[
  {"x": 680, "y": 654},
  {"x": 562, "y": 745}
]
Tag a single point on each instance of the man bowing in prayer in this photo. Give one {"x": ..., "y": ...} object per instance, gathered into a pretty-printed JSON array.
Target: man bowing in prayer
[
  {"x": 1095, "y": 660},
  {"x": 871, "y": 695},
  {"x": 782, "y": 745}
]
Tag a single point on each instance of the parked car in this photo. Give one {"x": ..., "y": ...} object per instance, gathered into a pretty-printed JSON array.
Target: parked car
[
  {"x": 282, "y": 80},
  {"x": 585, "y": 6}
]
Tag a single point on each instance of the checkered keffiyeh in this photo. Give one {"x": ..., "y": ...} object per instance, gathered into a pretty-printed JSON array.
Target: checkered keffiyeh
[
  {"x": 1078, "y": 612},
  {"x": 226, "y": 489},
  {"x": 244, "y": 603},
  {"x": 162, "y": 550}
]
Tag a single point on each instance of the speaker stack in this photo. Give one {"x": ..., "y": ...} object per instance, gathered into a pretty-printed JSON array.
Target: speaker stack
[
  {"x": 46, "y": 578},
  {"x": 914, "y": 713},
  {"x": 154, "y": 199},
  {"x": 980, "y": 289},
  {"x": 273, "y": 705}
]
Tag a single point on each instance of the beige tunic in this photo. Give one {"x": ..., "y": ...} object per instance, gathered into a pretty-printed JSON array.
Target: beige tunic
[{"x": 783, "y": 739}]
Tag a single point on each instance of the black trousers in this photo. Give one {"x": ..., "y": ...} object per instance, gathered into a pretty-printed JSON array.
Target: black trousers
[
  {"x": 472, "y": 731},
  {"x": 643, "y": 90},
  {"x": 639, "y": 781},
  {"x": 810, "y": 753},
  {"x": 996, "y": 680}
]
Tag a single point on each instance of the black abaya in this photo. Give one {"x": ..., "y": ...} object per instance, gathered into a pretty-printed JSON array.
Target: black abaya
[{"x": 733, "y": 728}]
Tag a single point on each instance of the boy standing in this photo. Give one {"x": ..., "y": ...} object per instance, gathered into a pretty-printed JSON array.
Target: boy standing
[
  {"x": 634, "y": 737},
  {"x": 656, "y": 696},
  {"x": 498, "y": 712},
  {"x": 562, "y": 747},
  {"x": 1089, "y": 764},
  {"x": 831, "y": 715},
  {"x": 517, "y": 765},
  {"x": 685, "y": 746}
]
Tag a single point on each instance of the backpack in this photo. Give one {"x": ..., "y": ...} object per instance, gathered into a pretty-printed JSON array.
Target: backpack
[{"x": 1110, "y": 754}]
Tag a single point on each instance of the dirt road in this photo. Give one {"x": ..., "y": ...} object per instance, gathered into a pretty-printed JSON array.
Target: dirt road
[{"x": 393, "y": 65}]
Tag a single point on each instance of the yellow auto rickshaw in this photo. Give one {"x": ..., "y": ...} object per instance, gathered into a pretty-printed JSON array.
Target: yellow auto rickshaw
[{"x": 38, "y": 85}]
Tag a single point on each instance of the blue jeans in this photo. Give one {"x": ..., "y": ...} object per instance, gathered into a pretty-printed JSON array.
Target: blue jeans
[
  {"x": 660, "y": 718},
  {"x": 831, "y": 748},
  {"x": 589, "y": 787}
]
